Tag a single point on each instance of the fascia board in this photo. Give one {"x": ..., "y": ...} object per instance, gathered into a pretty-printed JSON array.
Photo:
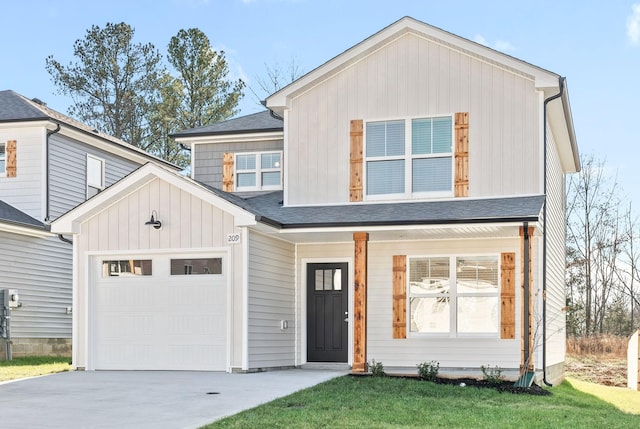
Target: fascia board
[{"x": 231, "y": 138}]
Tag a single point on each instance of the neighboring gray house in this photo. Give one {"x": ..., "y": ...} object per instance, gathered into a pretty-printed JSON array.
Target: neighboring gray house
[
  {"x": 410, "y": 209},
  {"x": 49, "y": 163}
]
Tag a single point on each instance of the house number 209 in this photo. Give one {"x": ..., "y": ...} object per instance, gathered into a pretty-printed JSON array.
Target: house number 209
[{"x": 233, "y": 238}]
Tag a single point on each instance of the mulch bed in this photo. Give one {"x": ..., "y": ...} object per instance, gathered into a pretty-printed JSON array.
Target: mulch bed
[{"x": 502, "y": 386}]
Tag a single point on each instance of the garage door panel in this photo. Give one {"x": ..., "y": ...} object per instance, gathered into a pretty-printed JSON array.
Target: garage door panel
[{"x": 160, "y": 322}]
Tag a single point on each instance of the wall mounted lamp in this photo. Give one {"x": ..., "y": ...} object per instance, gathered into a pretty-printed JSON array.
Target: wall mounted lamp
[{"x": 154, "y": 221}]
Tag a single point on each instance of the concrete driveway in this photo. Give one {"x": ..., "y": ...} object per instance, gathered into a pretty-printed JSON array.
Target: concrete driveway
[{"x": 143, "y": 399}]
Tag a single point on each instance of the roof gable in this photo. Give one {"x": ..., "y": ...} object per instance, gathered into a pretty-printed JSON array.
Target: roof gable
[
  {"x": 70, "y": 222},
  {"x": 280, "y": 100}
]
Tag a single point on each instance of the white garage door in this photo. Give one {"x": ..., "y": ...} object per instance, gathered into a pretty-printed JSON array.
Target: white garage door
[{"x": 163, "y": 312}]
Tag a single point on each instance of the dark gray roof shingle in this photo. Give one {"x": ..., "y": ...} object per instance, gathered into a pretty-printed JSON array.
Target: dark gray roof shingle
[
  {"x": 14, "y": 107},
  {"x": 12, "y": 215},
  {"x": 268, "y": 209},
  {"x": 256, "y": 122}
]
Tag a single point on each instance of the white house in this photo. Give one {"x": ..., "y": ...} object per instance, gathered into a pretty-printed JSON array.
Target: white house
[
  {"x": 402, "y": 202},
  {"x": 49, "y": 163}
]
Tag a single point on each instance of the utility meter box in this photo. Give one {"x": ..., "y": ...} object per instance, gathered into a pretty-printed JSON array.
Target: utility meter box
[{"x": 11, "y": 298}]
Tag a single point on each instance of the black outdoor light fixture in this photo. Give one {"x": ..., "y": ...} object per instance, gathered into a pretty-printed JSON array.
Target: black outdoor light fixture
[{"x": 154, "y": 221}]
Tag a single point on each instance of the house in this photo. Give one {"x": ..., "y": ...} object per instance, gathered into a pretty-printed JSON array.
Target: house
[
  {"x": 402, "y": 202},
  {"x": 49, "y": 163}
]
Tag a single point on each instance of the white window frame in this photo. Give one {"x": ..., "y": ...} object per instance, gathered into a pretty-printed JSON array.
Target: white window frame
[
  {"x": 91, "y": 185},
  {"x": 453, "y": 297},
  {"x": 257, "y": 171},
  {"x": 3, "y": 157},
  {"x": 408, "y": 158}
]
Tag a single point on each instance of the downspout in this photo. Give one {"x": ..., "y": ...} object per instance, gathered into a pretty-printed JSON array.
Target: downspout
[
  {"x": 47, "y": 216},
  {"x": 544, "y": 233},
  {"x": 527, "y": 314},
  {"x": 66, "y": 240}
]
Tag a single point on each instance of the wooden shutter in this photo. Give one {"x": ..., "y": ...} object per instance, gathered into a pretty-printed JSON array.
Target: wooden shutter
[
  {"x": 461, "y": 179},
  {"x": 227, "y": 172},
  {"x": 11, "y": 158},
  {"x": 355, "y": 179},
  {"x": 508, "y": 295},
  {"x": 399, "y": 296}
]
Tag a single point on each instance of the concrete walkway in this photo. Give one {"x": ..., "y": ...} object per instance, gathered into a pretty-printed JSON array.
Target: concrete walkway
[{"x": 143, "y": 399}]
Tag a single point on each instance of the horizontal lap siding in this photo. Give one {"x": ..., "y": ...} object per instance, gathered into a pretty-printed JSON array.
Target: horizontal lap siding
[
  {"x": 40, "y": 268},
  {"x": 208, "y": 158},
  {"x": 271, "y": 299},
  {"x": 556, "y": 230},
  {"x": 410, "y": 77},
  {"x": 449, "y": 352},
  {"x": 68, "y": 164}
]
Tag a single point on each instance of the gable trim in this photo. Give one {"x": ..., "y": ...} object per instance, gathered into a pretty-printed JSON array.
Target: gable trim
[{"x": 70, "y": 221}]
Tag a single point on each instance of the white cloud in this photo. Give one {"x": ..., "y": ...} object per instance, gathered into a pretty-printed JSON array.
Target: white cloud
[
  {"x": 499, "y": 45},
  {"x": 633, "y": 24},
  {"x": 480, "y": 39}
]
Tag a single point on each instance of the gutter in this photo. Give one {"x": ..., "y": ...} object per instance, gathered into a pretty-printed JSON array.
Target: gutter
[{"x": 561, "y": 81}]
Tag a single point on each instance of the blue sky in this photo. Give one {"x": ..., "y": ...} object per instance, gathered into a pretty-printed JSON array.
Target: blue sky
[{"x": 595, "y": 44}]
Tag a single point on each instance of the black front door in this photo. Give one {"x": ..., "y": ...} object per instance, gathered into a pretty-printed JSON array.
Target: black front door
[{"x": 327, "y": 306}]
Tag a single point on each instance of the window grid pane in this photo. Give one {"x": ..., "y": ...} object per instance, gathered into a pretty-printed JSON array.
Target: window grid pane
[
  {"x": 245, "y": 162},
  {"x": 431, "y": 174},
  {"x": 385, "y": 177},
  {"x": 271, "y": 178},
  {"x": 3, "y": 158},
  {"x": 246, "y": 180}
]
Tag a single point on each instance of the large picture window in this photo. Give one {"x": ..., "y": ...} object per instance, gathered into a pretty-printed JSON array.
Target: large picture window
[
  {"x": 258, "y": 171},
  {"x": 455, "y": 296},
  {"x": 409, "y": 157}
]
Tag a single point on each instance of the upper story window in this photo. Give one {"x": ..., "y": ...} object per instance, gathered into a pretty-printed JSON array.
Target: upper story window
[
  {"x": 258, "y": 171},
  {"x": 412, "y": 157},
  {"x": 454, "y": 296},
  {"x": 95, "y": 175},
  {"x": 3, "y": 159}
]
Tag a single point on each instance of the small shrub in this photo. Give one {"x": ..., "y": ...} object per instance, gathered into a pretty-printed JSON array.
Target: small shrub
[
  {"x": 429, "y": 370},
  {"x": 492, "y": 375},
  {"x": 377, "y": 369}
]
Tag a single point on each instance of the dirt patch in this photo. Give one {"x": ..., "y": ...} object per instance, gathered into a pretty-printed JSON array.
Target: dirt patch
[
  {"x": 602, "y": 369},
  {"x": 503, "y": 386}
]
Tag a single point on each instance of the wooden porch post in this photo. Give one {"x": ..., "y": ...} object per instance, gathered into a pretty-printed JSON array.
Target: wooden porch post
[
  {"x": 360, "y": 303},
  {"x": 528, "y": 330}
]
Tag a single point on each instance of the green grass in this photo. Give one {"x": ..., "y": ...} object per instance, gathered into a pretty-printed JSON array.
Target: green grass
[
  {"x": 624, "y": 399},
  {"x": 377, "y": 402},
  {"x": 32, "y": 366}
]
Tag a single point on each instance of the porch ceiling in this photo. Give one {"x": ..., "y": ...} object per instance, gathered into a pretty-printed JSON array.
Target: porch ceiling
[{"x": 399, "y": 233}]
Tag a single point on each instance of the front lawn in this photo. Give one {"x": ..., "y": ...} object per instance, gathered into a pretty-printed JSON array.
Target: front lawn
[
  {"x": 32, "y": 366},
  {"x": 372, "y": 402}
]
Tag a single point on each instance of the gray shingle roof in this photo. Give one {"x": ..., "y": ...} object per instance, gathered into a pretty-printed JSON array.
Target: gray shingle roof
[
  {"x": 268, "y": 209},
  {"x": 12, "y": 215},
  {"x": 256, "y": 122},
  {"x": 17, "y": 108}
]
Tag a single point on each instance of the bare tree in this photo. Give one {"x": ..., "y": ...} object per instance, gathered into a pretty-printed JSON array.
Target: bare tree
[
  {"x": 594, "y": 242},
  {"x": 277, "y": 77}
]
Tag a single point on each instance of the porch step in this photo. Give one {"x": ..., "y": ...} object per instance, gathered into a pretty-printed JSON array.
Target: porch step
[{"x": 333, "y": 366}]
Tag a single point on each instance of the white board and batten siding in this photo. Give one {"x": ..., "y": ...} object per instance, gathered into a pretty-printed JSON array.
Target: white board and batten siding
[
  {"x": 40, "y": 269},
  {"x": 190, "y": 226},
  {"x": 25, "y": 191},
  {"x": 271, "y": 298},
  {"x": 68, "y": 170},
  {"x": 412, "y": 77}
]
